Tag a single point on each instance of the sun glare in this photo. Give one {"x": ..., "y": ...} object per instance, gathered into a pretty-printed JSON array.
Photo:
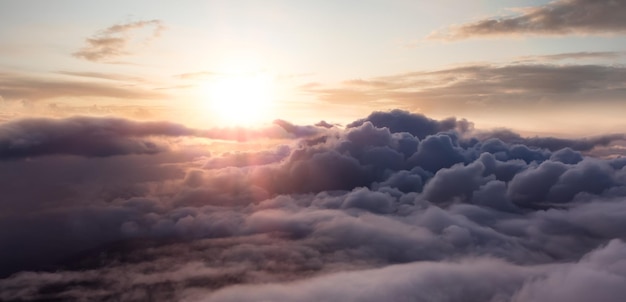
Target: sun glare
[{"x": 240, "y": 99}]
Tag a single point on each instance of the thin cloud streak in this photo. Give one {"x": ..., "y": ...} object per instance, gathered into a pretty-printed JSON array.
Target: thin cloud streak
[
  {"x": 112, "y": 42},
  {"x": 28, "y": 88},
  {"x": 557, "y": 18},
  {"x": 584, "y": 55},
  {"x": 102, "y": 76},
  {"x": 496, "y": 87}
]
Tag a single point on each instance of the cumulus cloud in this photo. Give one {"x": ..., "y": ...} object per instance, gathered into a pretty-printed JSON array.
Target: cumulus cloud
[
  {"x": 396, "y": 206},
  {"x": 417, "y": 125},
  {"x": 561, "y": 17},
  {"x": 112, "y": 42}
]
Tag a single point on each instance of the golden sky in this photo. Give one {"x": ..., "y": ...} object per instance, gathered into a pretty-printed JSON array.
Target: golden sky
[{"x": 211, "y": 63}]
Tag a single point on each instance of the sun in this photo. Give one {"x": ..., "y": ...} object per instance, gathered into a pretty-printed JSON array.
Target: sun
[{"x": 241, "y": 99}]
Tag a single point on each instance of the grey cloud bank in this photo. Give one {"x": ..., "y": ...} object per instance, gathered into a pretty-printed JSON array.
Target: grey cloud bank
[{"x": 396, "y": 207}]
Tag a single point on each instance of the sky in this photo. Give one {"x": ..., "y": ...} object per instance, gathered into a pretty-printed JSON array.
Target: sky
[
  {"x": 161, "y": 60},
  {"x": 313, "y": 150}
]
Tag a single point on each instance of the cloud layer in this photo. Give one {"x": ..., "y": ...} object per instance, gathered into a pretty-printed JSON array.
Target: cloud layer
[
  {"x": 101, "y": 137},
  {"x": 486, "y": 88},
  {"x": 396, "y": 206},
  {"x": 561, "y": 17}
]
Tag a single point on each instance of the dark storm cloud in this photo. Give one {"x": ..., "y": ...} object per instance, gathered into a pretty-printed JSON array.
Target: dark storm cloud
[
  {"x": 487, "y": 87},
  {"x": 112, "y": 42},
  {"x": 396, "y": 207},
  {"x": 561, "y": 17}
]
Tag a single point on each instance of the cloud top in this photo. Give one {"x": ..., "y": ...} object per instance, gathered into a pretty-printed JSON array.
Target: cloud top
[{"x": 396, "y": 206}]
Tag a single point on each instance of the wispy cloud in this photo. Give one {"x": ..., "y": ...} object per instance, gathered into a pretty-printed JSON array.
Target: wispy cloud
[
  {"x": 112, "y": 42},
  {"x": 561, "y": 17},
  {"x": 33, "y": 88},
  {"x": 482, "y": 86},
  {"x": 197, "y": 75},
  {"x": 583, "y": 55},
  {"x": 102, "y": 76}
]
